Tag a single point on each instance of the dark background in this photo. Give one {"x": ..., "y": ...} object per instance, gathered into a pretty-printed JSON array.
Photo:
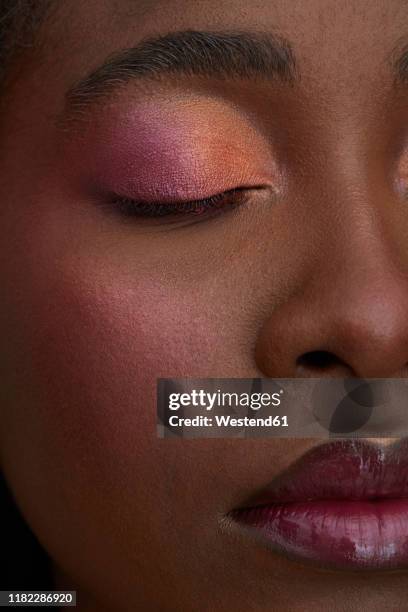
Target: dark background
[{"x": 24, "y": 563}]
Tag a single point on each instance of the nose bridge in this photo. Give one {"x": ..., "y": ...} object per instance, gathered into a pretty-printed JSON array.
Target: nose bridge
[
  {"x": 363, "y": 268},
  {"x": 349, "y": 132},
  {"x": 359, "y": 207},
  {"x": 360, "y": 253},
  {"x": 363, "y": 292},
  {"x": 354, "y": 298},
  {"x": 365, "y": 216}
]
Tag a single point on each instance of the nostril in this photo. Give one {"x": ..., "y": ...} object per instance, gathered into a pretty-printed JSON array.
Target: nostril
[{"x": 318, "y": 360}]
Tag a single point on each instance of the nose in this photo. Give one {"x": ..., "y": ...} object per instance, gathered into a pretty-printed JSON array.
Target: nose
[{"x": 349, "y": 317}]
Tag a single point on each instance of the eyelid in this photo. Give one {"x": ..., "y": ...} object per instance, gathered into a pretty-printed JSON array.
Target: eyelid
[{"x": 174, "y": 211}]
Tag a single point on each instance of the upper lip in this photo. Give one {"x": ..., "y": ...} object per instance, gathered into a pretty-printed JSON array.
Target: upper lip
[{"x": 341, "y": 470}]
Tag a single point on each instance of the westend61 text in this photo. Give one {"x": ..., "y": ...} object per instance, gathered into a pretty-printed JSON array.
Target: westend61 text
[{"x": 228, "y": 421}]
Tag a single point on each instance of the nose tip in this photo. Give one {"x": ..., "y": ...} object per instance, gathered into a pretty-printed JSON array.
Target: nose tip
[
  {"x": 373, "y": 338},
  {"x": 358, "y": 328}
]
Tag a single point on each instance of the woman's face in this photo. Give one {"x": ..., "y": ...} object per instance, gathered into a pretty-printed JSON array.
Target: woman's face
[{"x": 299, "y": 270}]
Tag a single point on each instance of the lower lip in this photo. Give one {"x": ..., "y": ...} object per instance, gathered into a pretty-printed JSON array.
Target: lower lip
[{"x": 341, "y": 534}]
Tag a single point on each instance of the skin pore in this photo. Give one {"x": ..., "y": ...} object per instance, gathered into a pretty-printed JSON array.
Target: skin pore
[{"x": 313, "y": 256}]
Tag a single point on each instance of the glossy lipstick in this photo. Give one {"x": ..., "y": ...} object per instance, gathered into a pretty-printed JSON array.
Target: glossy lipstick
[{"x": 342, "y": 505}]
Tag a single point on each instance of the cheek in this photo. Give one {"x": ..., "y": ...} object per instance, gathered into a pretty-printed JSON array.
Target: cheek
[
  {"x": 79, "y": 442},
  {"x": 79, "y": 427},
  {"x": 97, "y": 348},
  {"x": 80, "y": 422}
]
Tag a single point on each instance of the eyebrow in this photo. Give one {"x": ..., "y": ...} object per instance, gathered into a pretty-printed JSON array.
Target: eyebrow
[
  {"x": 226, "y": 55},
  {"x": 222, "y": 54}
]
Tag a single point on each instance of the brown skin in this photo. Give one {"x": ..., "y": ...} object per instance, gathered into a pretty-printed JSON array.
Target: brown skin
[{"x": 93, "y": 311}]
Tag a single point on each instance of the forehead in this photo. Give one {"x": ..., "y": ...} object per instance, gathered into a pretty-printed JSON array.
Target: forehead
[{"x": 318, "y": 29}]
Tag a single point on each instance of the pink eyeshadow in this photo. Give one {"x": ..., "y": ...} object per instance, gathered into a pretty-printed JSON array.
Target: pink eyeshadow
[{"x": 173, "y": 154}]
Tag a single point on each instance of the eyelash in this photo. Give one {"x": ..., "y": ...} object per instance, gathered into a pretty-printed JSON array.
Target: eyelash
[{"x": 220, "y": 202}]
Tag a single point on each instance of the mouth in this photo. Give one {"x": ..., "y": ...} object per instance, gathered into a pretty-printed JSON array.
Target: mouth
[{"x": 343, "y": 505}]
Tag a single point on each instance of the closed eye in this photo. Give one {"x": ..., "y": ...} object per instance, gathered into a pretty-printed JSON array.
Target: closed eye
[{"x": 220, "y": 202}]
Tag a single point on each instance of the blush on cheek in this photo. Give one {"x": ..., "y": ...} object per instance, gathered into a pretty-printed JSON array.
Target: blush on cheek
[
  {"x": 81, "y": 439},
  {"x": 101, "y": 348},
  {"x": 83, "y": 419}
]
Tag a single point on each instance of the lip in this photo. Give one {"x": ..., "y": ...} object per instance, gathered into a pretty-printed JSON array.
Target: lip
[{"x": 343, "y": 505}]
